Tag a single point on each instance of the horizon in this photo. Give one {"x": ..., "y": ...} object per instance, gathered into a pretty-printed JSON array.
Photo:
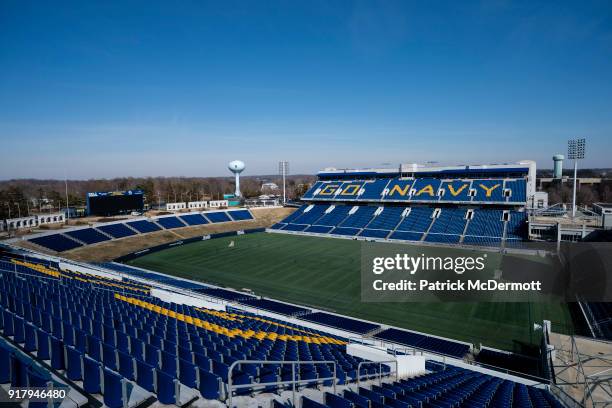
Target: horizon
[
  {"x": 105, "y": 90},
  {"x": 270, "y": 175}
]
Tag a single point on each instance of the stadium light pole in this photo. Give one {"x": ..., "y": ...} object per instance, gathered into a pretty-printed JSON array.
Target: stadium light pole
[
  {"x": 283, "y": 169},
  {"x": 66, "y": 186},
  {"x": 575, "y": 151}
]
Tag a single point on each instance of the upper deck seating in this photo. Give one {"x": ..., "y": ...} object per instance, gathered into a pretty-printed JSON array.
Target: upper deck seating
[
  {"x": 488, "y": 190},
  {"x": 456, "y": 190}
]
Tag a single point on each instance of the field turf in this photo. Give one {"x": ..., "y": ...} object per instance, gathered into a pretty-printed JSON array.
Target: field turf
[{"x": 325, "y": 273}]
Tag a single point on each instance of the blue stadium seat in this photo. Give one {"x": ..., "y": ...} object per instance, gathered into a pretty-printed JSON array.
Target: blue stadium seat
[
  {"x": 144, "y": 226},
  {"x": 240, "y": 215},
  {"x": 518, "y": 190},
  {"x": 87, "y": 344},
  {"x": 310, "y": 193},
  {"x": 335, "y": 217},
  {"x": 488, "y": 190},
  {"x": 448, "y": 227},
  {"x": 327, "y": 190},
  {"x": 422, "y": 341},
  {"x": 426, "y": 189},
  {"x": 456, "y": 190},
  {"x": 486, "y": 227},
  {"x": 88, "y": 236},
  {"x": 56, "y": 242},
  {"x": 349, "y": 191},
  {"x": 418, "y": 220},
  {"x": 387, "y": 220},
  {"x": 319, "y": 229},
  {"x": 358, "y": 219},
  {"x": 170, "y": 222},
  {"x": 373, "y": 190},
  {"x": 91, "y": 376},
  {"x": 310, "y": 215},
  {"x": 399, "y": 190},
  {"x": 193, "y": 219},
  {"x": 113, "y": 391},
  {"x": 517, "y": 227},
  {"x": 406, "y": 235},
  {"x": 218, "y": 216},
  {"x": 116, "y": 230}
]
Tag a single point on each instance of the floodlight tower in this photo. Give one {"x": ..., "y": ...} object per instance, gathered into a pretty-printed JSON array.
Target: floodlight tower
[
  {"x": 236, "y": 167},
  {"x": 283, "y": 170},
  {"x": 575, "y": 150}
]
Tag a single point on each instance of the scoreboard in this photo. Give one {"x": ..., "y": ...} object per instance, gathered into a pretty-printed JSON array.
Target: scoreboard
[{"x": 115, "y": 202}]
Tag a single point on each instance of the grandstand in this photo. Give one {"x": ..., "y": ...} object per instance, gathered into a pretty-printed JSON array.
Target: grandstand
[
  {"x": 111, "y": 340},
  {"x": 447, "y": 205},
  {"x": 248, "y": 318},
  {"x": 79, "y": 237}
]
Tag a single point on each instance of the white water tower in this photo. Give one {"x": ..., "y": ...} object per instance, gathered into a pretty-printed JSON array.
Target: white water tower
[{"x": 236, "y": 167}]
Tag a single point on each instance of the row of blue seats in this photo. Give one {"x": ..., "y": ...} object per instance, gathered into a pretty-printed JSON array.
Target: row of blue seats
[
  {"x": 422, "y": 341},
  {"x": 421, "y": 190},
  {"x": 451, "y": 387},
  {"x": 486, "y": 226},
  {"x": 76, "y": 238},
  {"x": 335, "y": 321},
  {"x": 70, "y": 317},
  {"x": 21, "y": 371}
]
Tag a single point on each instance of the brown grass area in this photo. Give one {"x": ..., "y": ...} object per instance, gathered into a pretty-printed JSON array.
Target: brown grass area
[{"x": 106, "y": 251}]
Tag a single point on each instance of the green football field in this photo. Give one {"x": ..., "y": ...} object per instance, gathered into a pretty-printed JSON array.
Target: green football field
[{"x": 325, "y": 273}]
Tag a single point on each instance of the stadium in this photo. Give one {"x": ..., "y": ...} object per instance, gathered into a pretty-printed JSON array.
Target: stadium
[
  {"x": 321, "y": 204},
  {"x": 261, "y": 306}
]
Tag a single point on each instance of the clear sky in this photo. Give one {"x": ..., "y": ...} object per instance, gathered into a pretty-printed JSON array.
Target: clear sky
[{"x": 105, "y": 89}]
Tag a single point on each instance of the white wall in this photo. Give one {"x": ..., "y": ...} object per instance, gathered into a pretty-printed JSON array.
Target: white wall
[
  {"x": 407, "y": 366},
  {"x": 197, "y": 204},
  {"x": 218, "y": 203},
  {"x": 31, "y": 221},
  {"x": 55, "y": 218},
  {"x": 167, "y": 296},
  {"x": 175, "y": 206}
]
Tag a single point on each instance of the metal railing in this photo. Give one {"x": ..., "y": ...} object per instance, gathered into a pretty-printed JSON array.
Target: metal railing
[
  {"x": 380, "y": 373},
  {"x": 293, "y": 382}
]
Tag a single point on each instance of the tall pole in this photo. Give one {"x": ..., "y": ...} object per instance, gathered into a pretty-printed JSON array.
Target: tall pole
[
  {"x": 574, "y": 193},
  {"x": 575, "y": 150},
  {"x": 283, "y": 168},
  {"x": 66, "y": 185}
]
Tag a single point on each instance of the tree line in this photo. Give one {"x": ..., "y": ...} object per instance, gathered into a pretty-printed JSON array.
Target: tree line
[{"x": 31, "y": 196}]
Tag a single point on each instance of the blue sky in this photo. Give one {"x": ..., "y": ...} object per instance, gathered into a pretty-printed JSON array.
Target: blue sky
[{"x": 105, "y": 89}]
